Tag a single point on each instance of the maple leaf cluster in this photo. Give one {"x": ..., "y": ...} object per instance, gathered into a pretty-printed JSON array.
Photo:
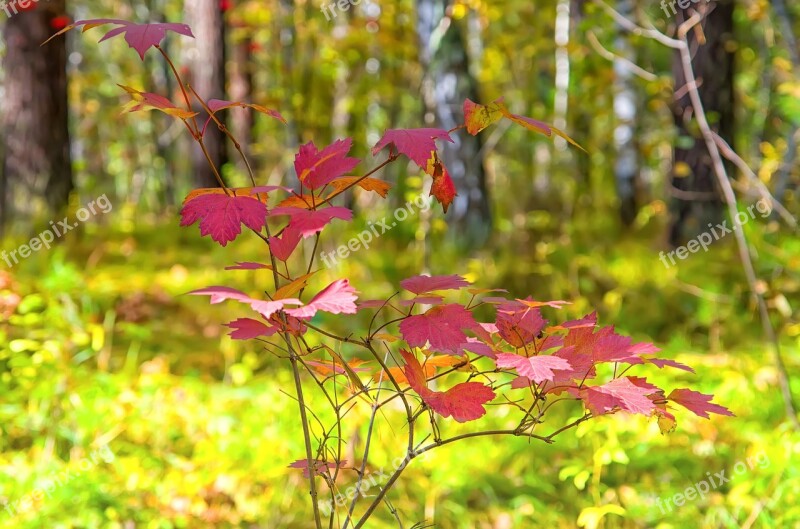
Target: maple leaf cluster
[{"x": 517, "y": 355}]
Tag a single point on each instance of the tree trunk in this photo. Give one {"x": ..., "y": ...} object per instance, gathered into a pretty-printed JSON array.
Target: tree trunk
[
  {"x": 206, "y": 58},
  {"x": 697, "y": 200},
  {"x": 36, "y": 166},
  {"x": 448, "y": 81},
  {"x": 626, "y": 104}
]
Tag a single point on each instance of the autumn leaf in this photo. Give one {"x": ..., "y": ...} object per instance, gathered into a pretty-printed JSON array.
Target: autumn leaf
[
  {"x": 442, "y": 326},
  {"x": 478, "y": 117},
  {"x": 248, "y": 266},
  {"x": 218, "y": 294},
  {"x": 337, "y": 298},
  {"x": 442, "y": 187},
  {"x": 367, "y": 184},
  {"x": 150, "y": 101},
  {"x": 661, "y": 363},
  {"x": 536, "y": 368},
  {"x": 316, "y": 168},
  {"x": 140, "y": 37},
  {"x": 698, "y": 403},
  {"x": 217, "y": 105},
  {"x": 290, "y": 289},
  {"x": 282, "y": 247},
  {"x": 417, "y": 144},
  {"x": 519, "y": 326},
  {"x": 221, "y": 216},
  {"x": 259, "y": 192},
  {"x": 621, "y": 394},
  {"x": 333, "y": 367},
  {"x": 307, "y": 222},
  {"x": 423, "y": 284},
  {"x": 463, "y": 402},
  {"x": 248, "y": 328}
]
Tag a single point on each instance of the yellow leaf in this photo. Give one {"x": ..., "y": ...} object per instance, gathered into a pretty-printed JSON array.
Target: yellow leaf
[{"x": 290, "y": 290}]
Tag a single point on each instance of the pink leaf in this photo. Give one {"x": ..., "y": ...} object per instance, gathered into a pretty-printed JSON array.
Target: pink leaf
[
  {"x": 220, "y": 294},
  {"x": 418, "y": 144},
  {"x": 215, "y": 105},
  {"x": 519, "y": 327},
  {"x": 698, "y": 403},
  {"x": 464, "y": 402},
  {"x": 247, "y": 328},
  {"x": 308, "y": 222},
  {"x": 221, "y": 216},
  {"x": 619, "y": 393},
  {"x": 337, "y": 298},
  {"x": 661, "y": 363},
  {"x": 268, "y": 308},
  {"x": 536, "y": 368},
  {"x": 423, "y": 284},
  {"x": 283, "y": 246},
  {"x": 140, "y": 37},
  {"x": 265, "y": 308},
  {"x": 316, "y": 168},
  {"x": 442, "y": 326}
]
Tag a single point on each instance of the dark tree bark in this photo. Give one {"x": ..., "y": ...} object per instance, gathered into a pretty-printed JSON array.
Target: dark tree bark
[
  {"x": 36, "y": 165},
  {"x": 696, "y": 198},
  {"x": 447, "y": 83},
  {"x": 206, "y": 58},
  {"x": 241, "y": 87}
]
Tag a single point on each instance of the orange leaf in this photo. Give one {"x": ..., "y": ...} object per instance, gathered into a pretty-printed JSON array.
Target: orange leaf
[
  {"x": 367, "y": 184},
  {"x": 478, "y": 117},
  {"x": 150, "y": 101}
]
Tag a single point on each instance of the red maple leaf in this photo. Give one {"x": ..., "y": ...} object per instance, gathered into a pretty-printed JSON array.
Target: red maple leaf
[
  {"x": 519, "y": 327},
  {"x": 621, "y": 394},
  {"x": 698, "y": 403},
  {"x": 536, "y": 368},
  {"x": 661, "y": 363},
  {"x": 221, "y": 215},
  {"x": 442, "y": 187},
  {"x": 418, "y": 144},
  {"x": 248, "y": 328},
  {"x": 140, "y": 37},
  {"x": 464, "y": 402},
  {"x": 316, "y": 168},
  {"x": 308, "y": 222},
  {"x": 283, "y": 246},
  {"x": 442, "y": 326},
  {"x": 337, "y": 298},
  {"x": 423, "y": 284}
]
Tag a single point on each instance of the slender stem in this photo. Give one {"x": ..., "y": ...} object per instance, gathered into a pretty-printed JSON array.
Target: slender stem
[{"x": 380, "y": 166}]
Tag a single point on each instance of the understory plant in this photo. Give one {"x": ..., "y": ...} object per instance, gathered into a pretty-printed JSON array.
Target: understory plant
[{"x": 429, "y": 354}]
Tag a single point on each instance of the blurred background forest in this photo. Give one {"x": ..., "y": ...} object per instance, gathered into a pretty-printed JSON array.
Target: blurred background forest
[{"x": 98, "y": 346}]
